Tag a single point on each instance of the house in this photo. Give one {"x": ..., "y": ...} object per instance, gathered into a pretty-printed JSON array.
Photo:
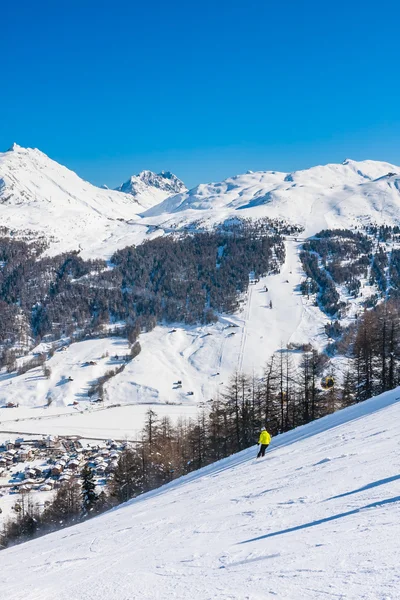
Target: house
[
  {"x": 11, "y": 456},
  {"x": 64, "y": 478},
  {"x": 73, "y": 464},
  {"x": 25, "y": 488},
  {"x": 38, "y": 471},
  {"x": 18, "y": 442},
  {"x": 28, "y": 481},
  {"x": 46, "y": 487},
  {"x": 57, "y": 469},
  {"x": 52, "y": 441},
  {"x": 24, "y": 453},
  {"x": 9, "y": 445}
]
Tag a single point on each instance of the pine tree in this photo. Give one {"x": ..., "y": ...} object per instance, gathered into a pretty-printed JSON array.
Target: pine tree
[
  {"x": 128, "y": 480},
  {"x": 89, "y": 496}
]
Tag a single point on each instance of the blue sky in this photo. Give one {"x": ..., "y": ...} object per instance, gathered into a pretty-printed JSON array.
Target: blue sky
[{"x": 205, "y": 89}]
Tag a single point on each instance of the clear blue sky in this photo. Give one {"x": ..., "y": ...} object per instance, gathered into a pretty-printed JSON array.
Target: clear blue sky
[{"x": 203, "y": 88}]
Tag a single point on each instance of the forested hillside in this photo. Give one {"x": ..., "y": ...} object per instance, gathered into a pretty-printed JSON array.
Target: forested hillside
[{"x": 186, "y": 278}]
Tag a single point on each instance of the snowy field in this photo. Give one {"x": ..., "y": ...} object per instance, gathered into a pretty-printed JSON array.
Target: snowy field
[
  {"x": 317, "y": 518},
  {"x": 120, "y": 423}
]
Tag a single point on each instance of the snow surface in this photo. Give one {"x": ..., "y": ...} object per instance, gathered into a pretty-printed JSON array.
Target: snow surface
[{"x": 317, "y": 518}]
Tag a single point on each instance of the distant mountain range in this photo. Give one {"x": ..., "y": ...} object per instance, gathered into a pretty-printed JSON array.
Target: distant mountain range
[{"x": 38, "y": 195}]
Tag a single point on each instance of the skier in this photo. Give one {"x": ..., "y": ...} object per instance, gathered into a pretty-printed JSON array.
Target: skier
[{"x": 263, "y": 441}]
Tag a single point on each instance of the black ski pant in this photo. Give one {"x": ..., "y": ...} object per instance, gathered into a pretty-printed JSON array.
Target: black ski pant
[{"x": 262, "y": 450}]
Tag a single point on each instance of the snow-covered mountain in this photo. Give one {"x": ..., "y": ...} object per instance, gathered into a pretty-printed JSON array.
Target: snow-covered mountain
[
  {"x": 317, "y": 518},
  {"x": 334, "y": 195},
  {"x": 39, "y": 195},
  {"x": 151, "y": 188}
]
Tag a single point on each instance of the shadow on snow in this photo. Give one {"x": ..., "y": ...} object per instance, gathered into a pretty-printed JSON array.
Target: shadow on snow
[{"x": 325, "y": 520}]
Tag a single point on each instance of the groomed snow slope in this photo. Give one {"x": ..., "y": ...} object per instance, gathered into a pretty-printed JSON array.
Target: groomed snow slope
[{"x": 317, "y": 518}]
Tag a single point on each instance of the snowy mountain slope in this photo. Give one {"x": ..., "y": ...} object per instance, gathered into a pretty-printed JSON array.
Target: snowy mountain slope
[
  {"x": 39, "y": 195},
  {"x": 318, "y": 517},
  {"x": 33, "y": 389},
  {"x": 151, "y": 188},
  {"x": 335, "y": 195},
  {"x": 203, "y": 358}
]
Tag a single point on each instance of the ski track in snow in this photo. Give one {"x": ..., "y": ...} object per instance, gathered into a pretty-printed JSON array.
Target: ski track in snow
[{"x": 316, "y": 518}]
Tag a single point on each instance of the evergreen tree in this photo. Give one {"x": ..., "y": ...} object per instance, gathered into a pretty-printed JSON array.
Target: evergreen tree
[
  {"x": 128, "y": 476},
  {"x": 89, "y": 496}
]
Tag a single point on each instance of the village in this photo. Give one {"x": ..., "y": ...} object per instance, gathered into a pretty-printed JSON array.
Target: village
[{"x": 39, "y": 465}]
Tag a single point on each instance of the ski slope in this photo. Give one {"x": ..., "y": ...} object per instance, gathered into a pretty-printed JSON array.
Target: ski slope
[{"x": 317, "y": 518}]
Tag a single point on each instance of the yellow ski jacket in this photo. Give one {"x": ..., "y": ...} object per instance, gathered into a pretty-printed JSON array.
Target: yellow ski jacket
[{"x": 264, "y": 438}]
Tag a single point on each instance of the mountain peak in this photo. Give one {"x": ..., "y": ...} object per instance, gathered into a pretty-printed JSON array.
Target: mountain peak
[
  {"x": 14, "y": 148},
  {"x": 155, "y": 186},
  {"x": 16, "y": 152},
  {"x": 165, "y": 181}
]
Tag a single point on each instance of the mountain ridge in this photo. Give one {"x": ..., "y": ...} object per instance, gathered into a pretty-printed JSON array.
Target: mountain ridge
[{"x": 73, "y": 214}]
